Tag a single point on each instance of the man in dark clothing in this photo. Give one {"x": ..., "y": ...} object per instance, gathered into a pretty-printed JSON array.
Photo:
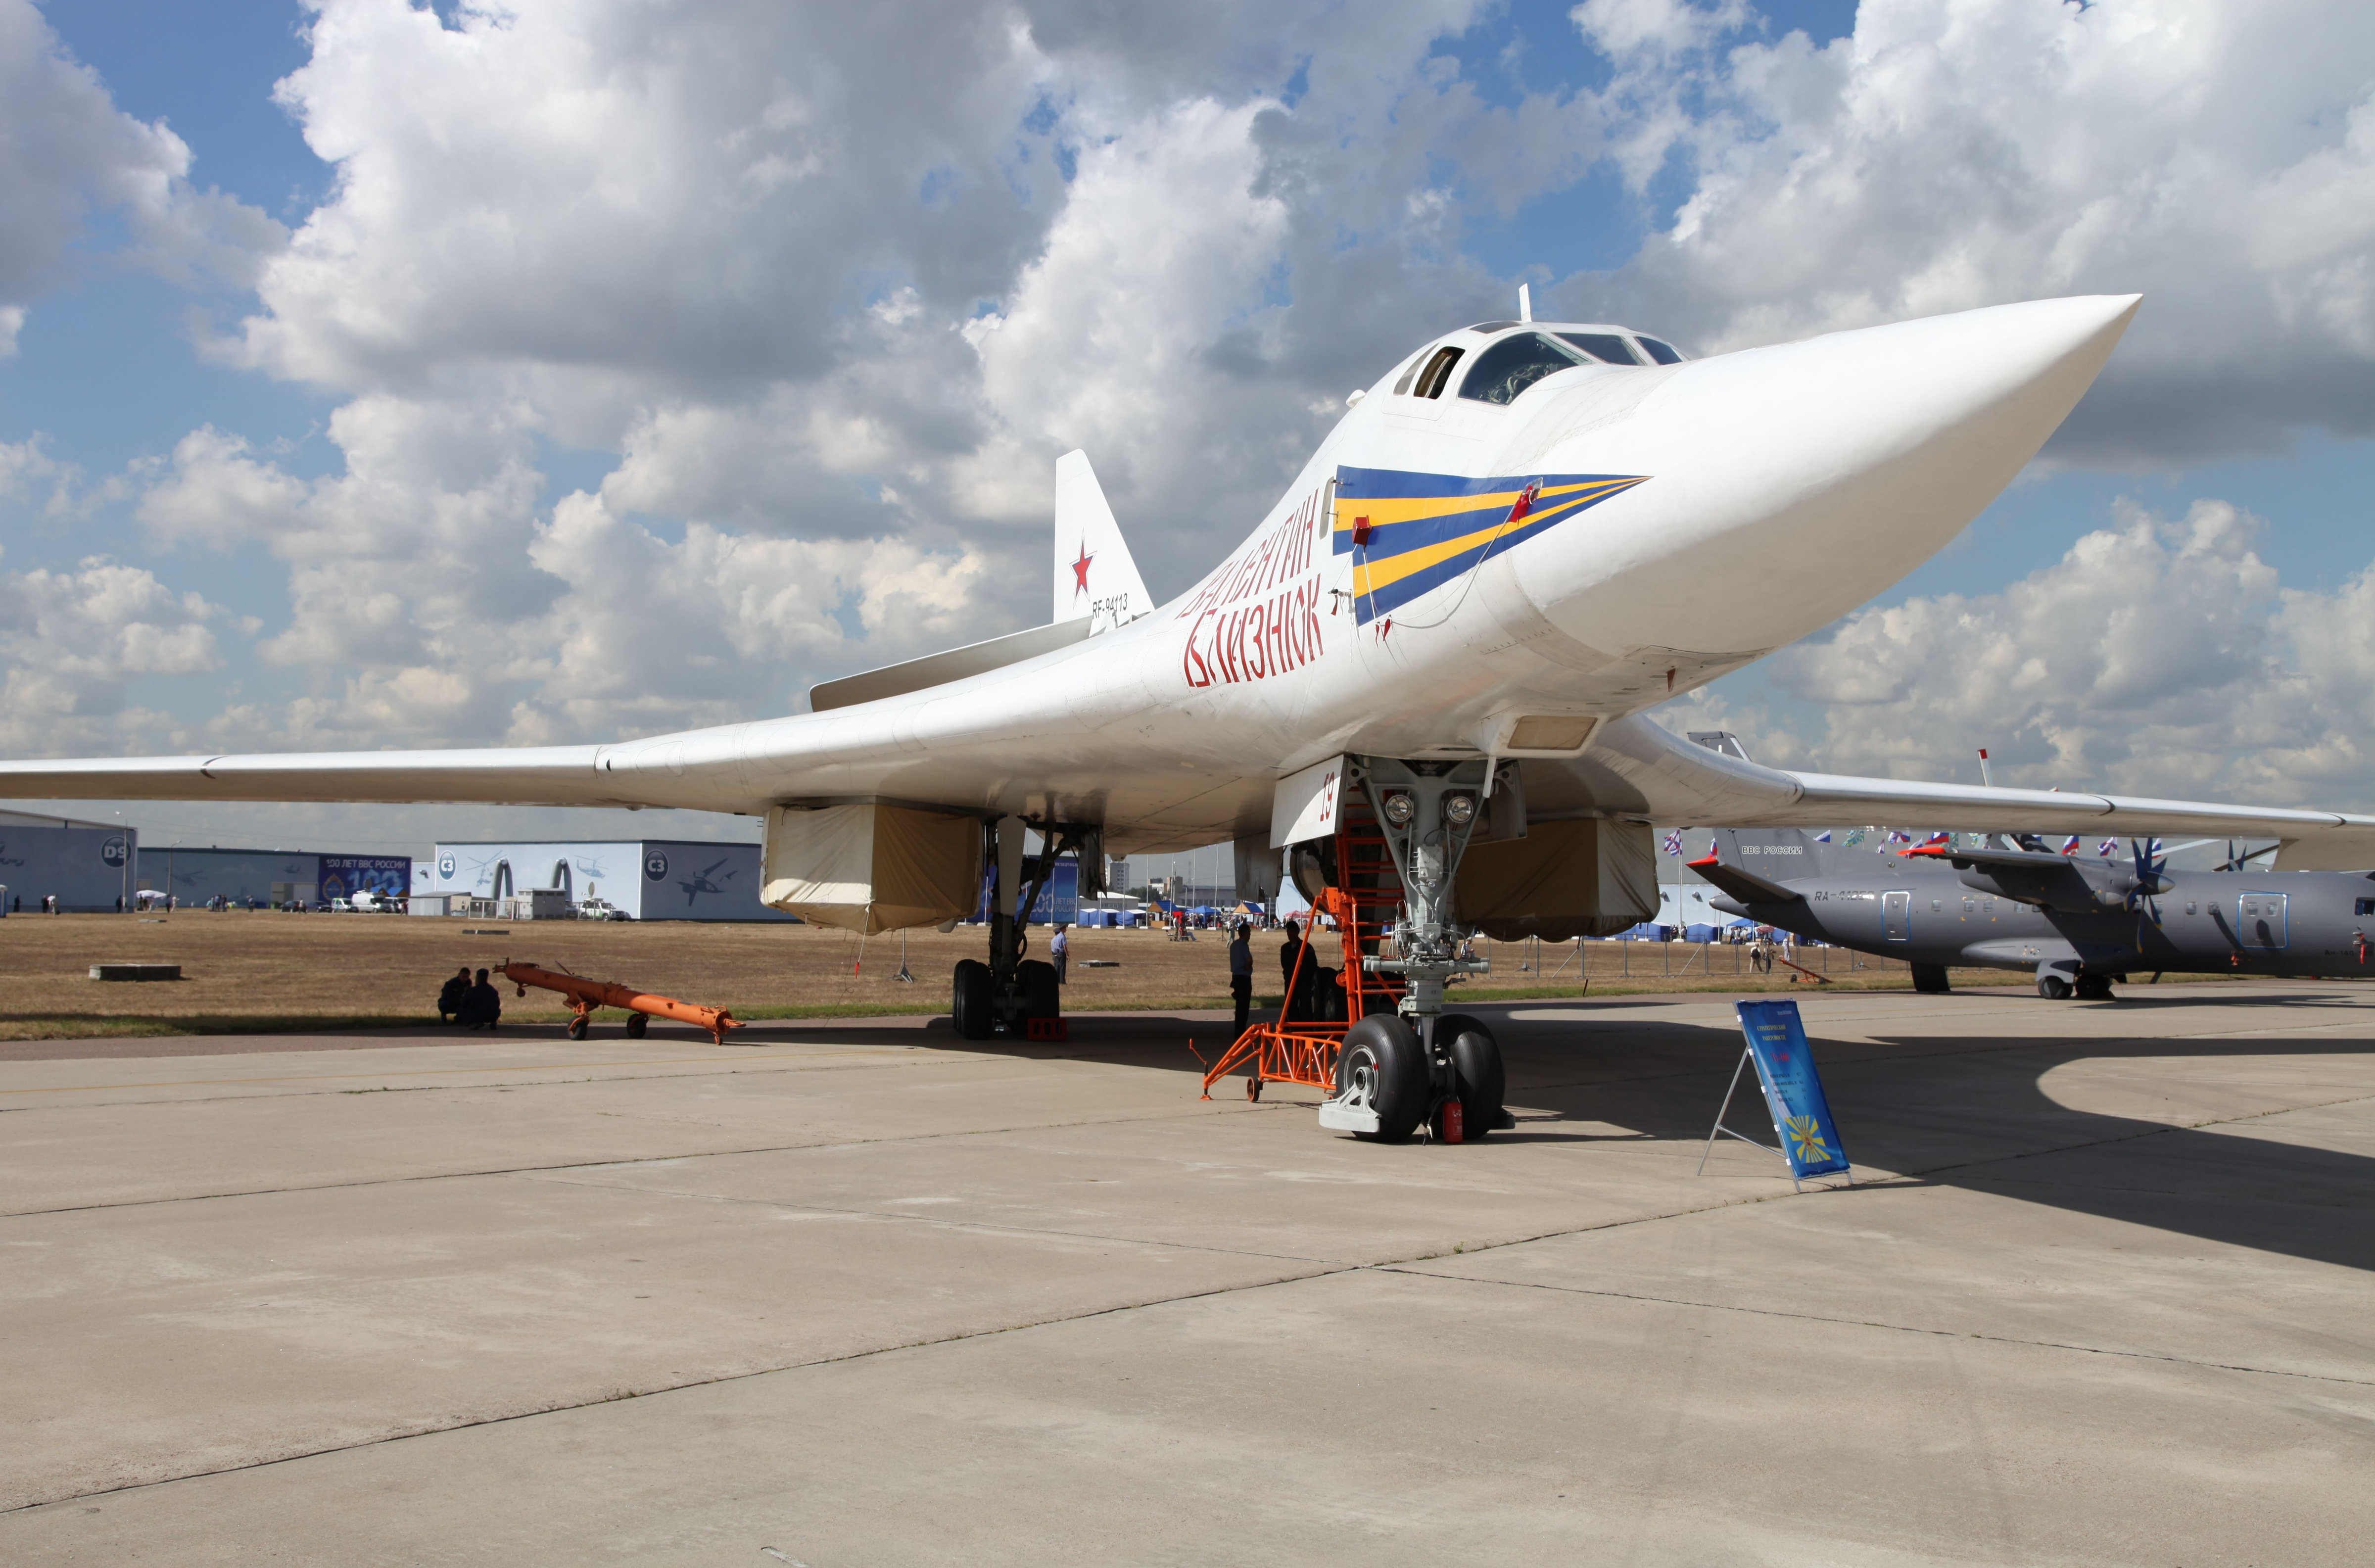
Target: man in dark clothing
[
  {"x": 1287, "y": 953},
  {"x": 450, "y": 995},
  {"x": 481, "y": 1004},
  {"x": 1241, "y": 972}
]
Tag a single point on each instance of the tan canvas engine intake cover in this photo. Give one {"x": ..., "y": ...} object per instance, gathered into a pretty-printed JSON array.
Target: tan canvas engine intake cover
[
  {"x": 1585, "y": 877},
  {"x": 872, "y": 869}
]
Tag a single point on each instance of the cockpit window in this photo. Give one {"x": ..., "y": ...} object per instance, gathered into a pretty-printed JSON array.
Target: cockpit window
[
  {"x": 1506, "y": 368},
  {"x": 1604, "y": 345},
  {"x": 1437, "y": 372},
  {"x": 1661, "y": 352},
  {"x": 1409, "y": 370}
]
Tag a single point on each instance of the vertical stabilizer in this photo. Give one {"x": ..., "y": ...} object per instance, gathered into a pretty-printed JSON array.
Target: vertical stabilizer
[
  {"x": 1781, "y": 855},
  {"x": 1094, "y": 575}
]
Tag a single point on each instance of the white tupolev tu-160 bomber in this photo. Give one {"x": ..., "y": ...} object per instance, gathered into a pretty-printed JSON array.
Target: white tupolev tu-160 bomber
[{"x": 1419, "y": 687}]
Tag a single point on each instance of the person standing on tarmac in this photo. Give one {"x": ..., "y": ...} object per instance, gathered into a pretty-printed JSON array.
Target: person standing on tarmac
[
  {"x": 1060, "y": 947},
  {"x": 1287, "y": 954},
  {"x": 1241, "y": 972}
]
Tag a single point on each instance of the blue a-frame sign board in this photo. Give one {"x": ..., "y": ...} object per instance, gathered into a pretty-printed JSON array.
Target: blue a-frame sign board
[{"x": 1793, "y": 1090}]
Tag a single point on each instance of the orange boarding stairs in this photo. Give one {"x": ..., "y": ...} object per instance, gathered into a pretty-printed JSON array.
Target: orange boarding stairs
[
  {"x": 1364, "y": 900},
  {"x": 641, "y": 1005}
]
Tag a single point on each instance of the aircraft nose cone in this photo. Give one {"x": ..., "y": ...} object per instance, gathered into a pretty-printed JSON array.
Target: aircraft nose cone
[{"x": 1798, "y": 481}]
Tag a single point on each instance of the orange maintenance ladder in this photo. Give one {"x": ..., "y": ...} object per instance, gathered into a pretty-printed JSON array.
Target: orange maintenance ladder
[{"x": 1363, "y": 900}]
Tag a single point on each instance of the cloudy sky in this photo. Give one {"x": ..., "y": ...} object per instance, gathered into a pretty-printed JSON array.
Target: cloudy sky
[{"x": 374, "y": 374}]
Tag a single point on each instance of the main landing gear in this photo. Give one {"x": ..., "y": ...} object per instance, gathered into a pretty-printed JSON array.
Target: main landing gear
[
  {"x": 2062, "y": 983},
  {"x": 1012, "y": 994}
]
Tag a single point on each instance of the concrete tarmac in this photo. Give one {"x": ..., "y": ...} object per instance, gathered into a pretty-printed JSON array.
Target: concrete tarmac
[{"x": 856, "y": 1293}]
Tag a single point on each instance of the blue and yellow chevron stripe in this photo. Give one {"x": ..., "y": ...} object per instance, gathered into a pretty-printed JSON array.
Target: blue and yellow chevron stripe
[{"x": 1425, "y": 529}]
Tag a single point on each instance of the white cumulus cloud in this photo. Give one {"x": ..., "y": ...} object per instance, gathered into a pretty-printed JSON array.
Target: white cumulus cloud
[
  {"x": 432, "y": 598},
  {"x": 1952, "y": 153},
  {"x": 2159, "y": 656},
  {"x": 72, "y": 642},
  {"x": 66, "y": 151}
]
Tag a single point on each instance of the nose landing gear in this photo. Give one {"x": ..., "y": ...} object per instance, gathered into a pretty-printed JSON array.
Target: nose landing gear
[{"x": 1400, "y": 835}]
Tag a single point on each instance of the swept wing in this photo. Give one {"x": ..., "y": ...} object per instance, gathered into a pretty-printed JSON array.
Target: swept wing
[{"x": 1663, "y": 776}]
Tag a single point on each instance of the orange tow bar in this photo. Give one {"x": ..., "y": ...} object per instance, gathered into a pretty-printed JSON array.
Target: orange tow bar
[{"x": 587, "y": 995}]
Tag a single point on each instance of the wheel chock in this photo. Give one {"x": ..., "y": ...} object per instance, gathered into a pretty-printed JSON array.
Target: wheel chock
[{"x": 1046, "y": 1029}]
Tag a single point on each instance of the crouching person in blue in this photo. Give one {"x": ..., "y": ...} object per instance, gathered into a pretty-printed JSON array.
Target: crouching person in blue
[{"x": 450, "y": 995}]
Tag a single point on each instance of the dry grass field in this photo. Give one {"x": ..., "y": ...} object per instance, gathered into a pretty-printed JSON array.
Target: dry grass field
[{"x": 246, "y": 973}]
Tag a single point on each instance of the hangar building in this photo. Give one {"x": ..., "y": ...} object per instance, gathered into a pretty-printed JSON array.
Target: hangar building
[
  {"x": 648, "y": 878},
  {"x": 269, "y": 876},
  {"x": 87, "y": 865}
]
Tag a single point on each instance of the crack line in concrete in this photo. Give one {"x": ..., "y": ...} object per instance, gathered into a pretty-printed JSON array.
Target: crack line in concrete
[
  {"x": 1222, "y": 1110},
  {"x": 1408, "y": 1272},
  {"x": 729, "y": 1066},
  {"x": 2157, "y": 1131},
  {"x": 1087, "y": 1315},
  {"x": 1886, "y": 1178},
  {"x": 991, "y": 1227}
]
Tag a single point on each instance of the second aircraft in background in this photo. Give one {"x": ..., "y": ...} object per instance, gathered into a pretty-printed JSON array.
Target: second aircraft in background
[{"x": 2080, "y": 922}]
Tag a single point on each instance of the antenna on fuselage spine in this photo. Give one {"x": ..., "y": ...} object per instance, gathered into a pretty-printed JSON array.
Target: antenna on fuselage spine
[{"x": 1525, "y": 301}]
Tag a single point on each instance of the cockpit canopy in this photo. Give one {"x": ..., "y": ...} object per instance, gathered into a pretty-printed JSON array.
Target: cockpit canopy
[{"x": 1521, "y": 353}]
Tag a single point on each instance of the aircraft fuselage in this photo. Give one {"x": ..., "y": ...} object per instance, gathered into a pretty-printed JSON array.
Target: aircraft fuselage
[
  {"x": 2292, "y": 924},
  {"x": 1453, "y": 576}
]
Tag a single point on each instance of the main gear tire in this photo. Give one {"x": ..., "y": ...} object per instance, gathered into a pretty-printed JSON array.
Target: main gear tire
[
  {"x": 2052, "y": 987},
  {"x": 1382, "y": 1063},
  {"x": 2094, "y": 988},
  {"x": 1476, "y": 1068},
  {"x": 969, "y": 1005},
  {"x": 1042, "y": 997},
  {"x": 1931, "y": 978}
]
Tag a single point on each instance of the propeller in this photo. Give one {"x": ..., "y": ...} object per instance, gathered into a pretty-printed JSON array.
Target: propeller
[
  {"x": 2152, "y": 880},
  {"x": 2235, "y": 862}
]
